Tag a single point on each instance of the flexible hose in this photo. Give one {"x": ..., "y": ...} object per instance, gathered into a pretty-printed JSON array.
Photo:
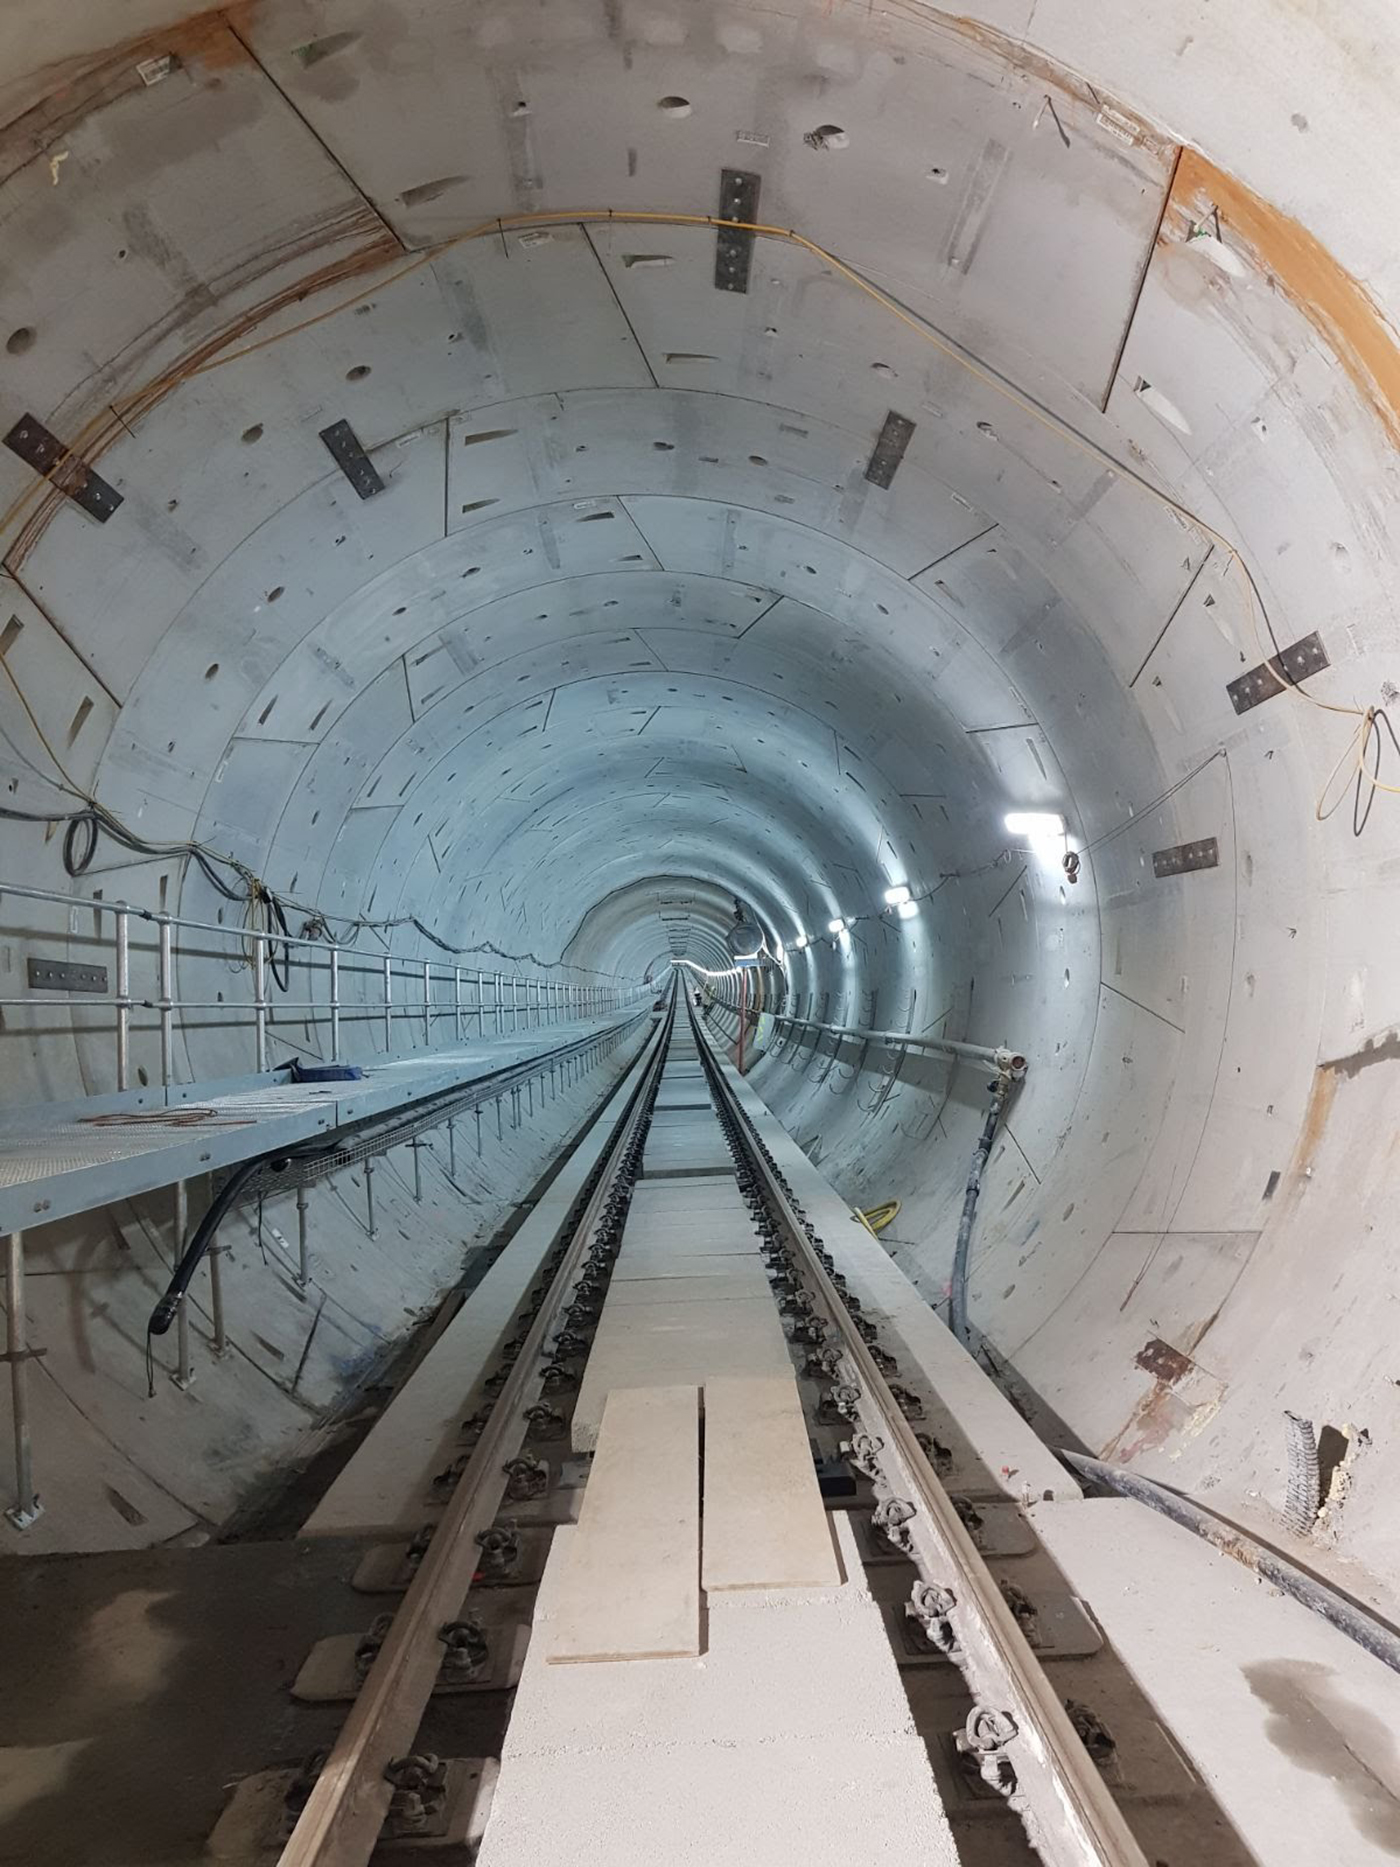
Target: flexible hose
[
  {"x": 164, "y": 1312},
  {"x": 1343, "y": 1614},
  {"x": 957, "y": 1290}
]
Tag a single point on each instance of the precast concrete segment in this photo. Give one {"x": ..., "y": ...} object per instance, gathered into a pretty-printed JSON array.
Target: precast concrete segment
[
  {"x": 1249, "y": 1683},
  {"x": 788, "y": 1741},
  {"x": 383, "y": 1486},
  {"x": 1016, "y": 1460}
]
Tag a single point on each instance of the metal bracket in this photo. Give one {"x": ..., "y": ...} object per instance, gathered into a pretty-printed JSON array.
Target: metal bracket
[
  {"x": 738, "y": 200},
  {"x": 1181, "y": 858},
  {"x": 884, "y": 461},
  {"x": 1286, "y": 669},
  {"x": 61, "y": 975},
  {"x": 68, "y": 473},
  {"x": 345, "y": 450}
]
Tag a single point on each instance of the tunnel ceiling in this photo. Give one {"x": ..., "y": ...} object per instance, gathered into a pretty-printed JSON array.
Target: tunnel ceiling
[{"x": 636, "y": 620}]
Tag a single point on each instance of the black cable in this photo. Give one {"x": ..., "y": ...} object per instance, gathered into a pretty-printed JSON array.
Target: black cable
[{"x": 164, "y": 1312}]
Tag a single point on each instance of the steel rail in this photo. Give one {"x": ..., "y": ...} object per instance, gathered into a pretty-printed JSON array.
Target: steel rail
[
  {"x": 1070, "y": 1818},
  {"x": 342, "y": 1818}
]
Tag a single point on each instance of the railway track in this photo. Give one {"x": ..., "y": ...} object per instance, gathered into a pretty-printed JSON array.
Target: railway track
[{"x": 1004, "y": 1738}]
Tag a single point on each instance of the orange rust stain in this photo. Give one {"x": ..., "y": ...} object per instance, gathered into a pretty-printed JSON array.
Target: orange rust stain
[
  {"x": 1339, "y": 308},
  {"x": 1315, "y": 1119}
]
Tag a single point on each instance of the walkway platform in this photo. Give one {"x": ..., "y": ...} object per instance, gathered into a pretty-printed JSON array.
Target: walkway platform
[{"x": 59, "y": 1159}]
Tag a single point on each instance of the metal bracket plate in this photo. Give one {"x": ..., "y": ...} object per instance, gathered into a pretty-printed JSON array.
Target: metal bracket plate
[
  {"x": 60, "y": 975},
  {"x": 345, "y": 450},
  {"x": 1183, "y": 857},
  {"x": 69, "y": 473},
  {"x": 738, "y": 200},
  {"x": 1285, "y": 669},
  {"x": 889, "y": 450}
]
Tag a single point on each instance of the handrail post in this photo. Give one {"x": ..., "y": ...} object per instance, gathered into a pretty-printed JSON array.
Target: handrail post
[
  {"x": 163, "y": 984},
  {"x": 388, "y": 1003},
  {"x": 481, "y": 1004},
  {"x": 457, "y": 1001},
  {"x": 427, "y": 1003},
  {"x": 123, "y": 942},
  {"x": 335, "y": 1004},
  {"x": 260, "y": 995},
  {"x": 26, "y": 1506}
]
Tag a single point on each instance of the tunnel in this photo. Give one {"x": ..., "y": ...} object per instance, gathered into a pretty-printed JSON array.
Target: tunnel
[{"x": 863, "y": 528}]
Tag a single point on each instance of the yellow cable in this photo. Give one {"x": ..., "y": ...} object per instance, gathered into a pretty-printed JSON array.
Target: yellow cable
[{"x": 876, "y": 1218}]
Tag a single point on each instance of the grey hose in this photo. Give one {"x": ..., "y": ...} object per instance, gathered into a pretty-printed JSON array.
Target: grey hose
[
  {"x": 1344, "y": 1615},
  {"x": 957, "y": 1289}
]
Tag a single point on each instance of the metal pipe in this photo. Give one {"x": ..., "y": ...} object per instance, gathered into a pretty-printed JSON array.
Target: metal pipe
[
  {"x": 957, "y": 1291},
  {"x": 26, "y": 1507},
  {"x": 369, "y": 1197},
  {"x": 163, "y": 983},
  {"x": 457, "y": 1002},
  {"x": 388, "y": 1001},
  {"x": 427, "y": 1003},
  {"x": 416, "y": 1144},
  {"x": 481, "y": 1005},
  {"x": 303, "y": 1239},
  {"x": 999, "y": 1056},
  {"x": 500, "y": 1009},
  {"x": 451, "y": 1148},
  {"x": 335, "y": 1004},
  {"x": 1345, "y": 1615},
  {"x": 123, "y": 937}
]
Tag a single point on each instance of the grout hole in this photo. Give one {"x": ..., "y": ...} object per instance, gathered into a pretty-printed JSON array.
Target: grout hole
[
  {"x": 674, "y": 106},
  {"x": 255, "y": 433}
]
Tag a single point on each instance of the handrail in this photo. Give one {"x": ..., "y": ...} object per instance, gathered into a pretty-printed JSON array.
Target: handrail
[{"x": 444, "y": 995}]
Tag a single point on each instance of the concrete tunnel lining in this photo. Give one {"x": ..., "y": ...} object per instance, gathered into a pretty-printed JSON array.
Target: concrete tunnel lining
[{"x": 1013, "y": 624}]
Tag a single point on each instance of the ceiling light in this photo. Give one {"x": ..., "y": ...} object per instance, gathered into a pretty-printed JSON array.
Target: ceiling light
[
  {"x": 838, "y": 926},
  {"x": 1039, "y": 825},
  {"x": 799, "y": 945},
  {"x": 897, "y": 896},
  {"x": 907, "y": 910}
]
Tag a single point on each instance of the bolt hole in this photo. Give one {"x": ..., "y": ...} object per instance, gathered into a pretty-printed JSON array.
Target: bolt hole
[
  {"x": 211, "y": 670},
  {"x": 19, "y": 341},
  {"x": 358, "y": 373},
  {"x": 255, "y": 433},
  {"x": 674, "y": 106},
  {"x": 141, "y": 1075},
  {"x": 278, "y": 591},
  {"x": 827, "y": 136}
]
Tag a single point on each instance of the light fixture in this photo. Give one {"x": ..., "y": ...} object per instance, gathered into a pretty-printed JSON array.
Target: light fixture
[
  {"x": 1039, "y": 825},
  {"x": 907, "y": 910},
  {"x": 799, "y": 945},
  {"x": 838, "y": 926},
  {"x": 897, "y": 896}
]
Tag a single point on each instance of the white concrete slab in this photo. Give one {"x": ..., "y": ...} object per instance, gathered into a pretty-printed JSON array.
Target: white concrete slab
[
  {"x": 1290, "y": 1724},
  {"x": 750, "y": 1756},
  {"x": 655, "y": 1344},
  {"x": 763, "y": 1522},
  {"x": 630, "y": 1587},
  {"x": 741, "y": 1279}
]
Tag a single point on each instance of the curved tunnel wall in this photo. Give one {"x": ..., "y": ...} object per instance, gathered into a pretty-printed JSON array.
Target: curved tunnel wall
[{"x": 629, "y": 630}]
